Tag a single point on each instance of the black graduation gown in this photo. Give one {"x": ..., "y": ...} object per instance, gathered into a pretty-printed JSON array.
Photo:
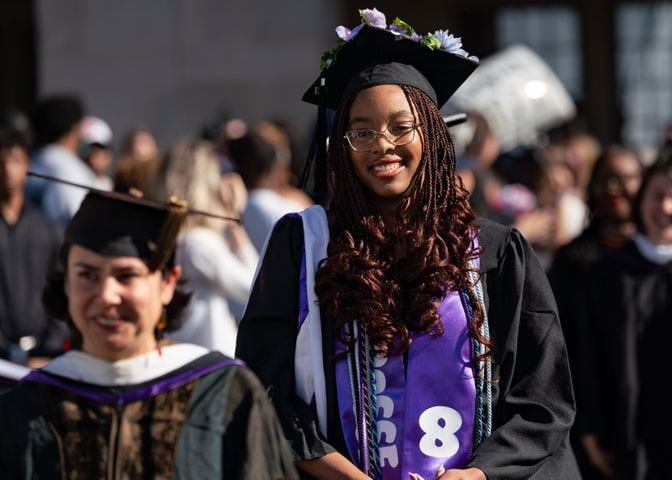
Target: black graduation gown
[
  {"x": 570, "y": 277},
  {"x": 218, "y": 425},
  {"x": 533, "y": 399},
  {"x": 631, "y": 313}
]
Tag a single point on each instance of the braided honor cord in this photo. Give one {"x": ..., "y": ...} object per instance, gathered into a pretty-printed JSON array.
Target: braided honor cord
[
  {"x": 363, "y": 388},
  {"x": 483, "y": 420}
]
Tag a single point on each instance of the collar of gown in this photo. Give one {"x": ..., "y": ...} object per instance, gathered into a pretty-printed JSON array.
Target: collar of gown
[
  {"x": 80, "y": 366},
  {"x": 658, "y": 254}
]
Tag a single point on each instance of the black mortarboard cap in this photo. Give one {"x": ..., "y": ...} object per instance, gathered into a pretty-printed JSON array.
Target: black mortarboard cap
[
  {"x": 376, "y": 56},
  {"x": 114, "y": 224},
  {"x": 124, "y": 224}
]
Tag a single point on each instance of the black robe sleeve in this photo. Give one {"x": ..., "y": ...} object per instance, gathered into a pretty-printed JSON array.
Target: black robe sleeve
[
  {"x": 267, "y": 337},
  {"x": 533, "y": 401}
]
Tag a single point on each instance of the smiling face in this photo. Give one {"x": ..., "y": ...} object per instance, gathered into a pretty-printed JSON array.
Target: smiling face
[
  {"x": 116, "y": 302},
  {"x": 386, "y": 170},
  {"x": 656, "y": 209}
]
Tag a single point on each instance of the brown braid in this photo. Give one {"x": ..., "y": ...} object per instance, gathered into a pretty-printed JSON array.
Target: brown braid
[{"x": 361, "y": 279}]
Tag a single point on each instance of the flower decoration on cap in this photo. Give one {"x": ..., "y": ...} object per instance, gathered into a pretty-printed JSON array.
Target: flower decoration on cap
[{"x": 372, "y": 17}]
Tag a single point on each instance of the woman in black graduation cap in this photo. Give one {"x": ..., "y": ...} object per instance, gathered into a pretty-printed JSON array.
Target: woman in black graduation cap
[
  {"x": 122, "y": 403},
  {"x": 400, "y": 337}
]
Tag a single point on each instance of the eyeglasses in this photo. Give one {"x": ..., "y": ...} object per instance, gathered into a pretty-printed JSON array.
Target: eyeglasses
[
  {"x": 614, "y": 182},
  {"x": 363, "y": 140}
]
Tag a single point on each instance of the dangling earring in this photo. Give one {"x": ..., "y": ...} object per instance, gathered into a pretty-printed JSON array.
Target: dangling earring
[
  {"x": 160, "y": 327},
  {"x": 74, "y": 340}
]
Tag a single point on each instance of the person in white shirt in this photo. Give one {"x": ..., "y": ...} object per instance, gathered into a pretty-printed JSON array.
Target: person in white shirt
[
  {"x": 217, "y": 256},
  {"x": 265, "y": 171},
  {"x": 57, "y": 121}
]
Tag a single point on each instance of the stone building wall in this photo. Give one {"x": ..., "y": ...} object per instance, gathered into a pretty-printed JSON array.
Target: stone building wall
[{"x": 168, "y": 64}]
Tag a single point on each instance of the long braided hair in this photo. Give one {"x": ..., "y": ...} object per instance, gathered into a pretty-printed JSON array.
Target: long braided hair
[{"x": 361, "y": 280}]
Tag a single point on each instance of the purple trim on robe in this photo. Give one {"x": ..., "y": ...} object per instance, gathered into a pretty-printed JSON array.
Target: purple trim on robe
[
  {"x": 105, "y": 397},
  {"x": 303, "y": 291}
]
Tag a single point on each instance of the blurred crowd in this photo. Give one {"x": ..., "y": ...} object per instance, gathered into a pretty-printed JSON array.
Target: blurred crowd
[
  {"x": 598, "y": 216},
  {"x": 227, "y": 167}
]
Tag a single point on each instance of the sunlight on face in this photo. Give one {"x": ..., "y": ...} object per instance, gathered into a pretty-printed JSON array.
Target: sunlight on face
[
  {"x": 656, "y": 209},
  {"x": 115, "y": 302},
  {"x": 386, "y": 170}
]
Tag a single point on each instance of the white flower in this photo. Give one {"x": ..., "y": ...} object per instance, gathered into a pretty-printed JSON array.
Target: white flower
[{"x": 344, "y": 33}]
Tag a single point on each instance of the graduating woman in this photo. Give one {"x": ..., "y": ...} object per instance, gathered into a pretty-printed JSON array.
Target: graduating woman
[
  {"x": 121, "y": 403},
  {"x": 398, "y": 336}
]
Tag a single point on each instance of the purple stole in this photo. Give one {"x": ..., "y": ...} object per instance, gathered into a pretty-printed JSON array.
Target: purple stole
[{"x": 425, "y": 416}]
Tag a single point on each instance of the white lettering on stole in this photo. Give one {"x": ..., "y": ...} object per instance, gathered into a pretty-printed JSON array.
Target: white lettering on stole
[
  {"x": 439, "y": 424},
  {"x": 388, "y": 430},
  {"x": 389, "y": 455},
  {"x": 386, "y": 447}
]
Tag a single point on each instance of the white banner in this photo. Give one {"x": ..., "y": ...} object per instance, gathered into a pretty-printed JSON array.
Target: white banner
[{"x": 518, "y": 94}]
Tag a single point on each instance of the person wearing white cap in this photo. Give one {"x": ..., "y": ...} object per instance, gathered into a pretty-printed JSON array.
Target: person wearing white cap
[
  {"x": 57, "y": 124},
  {"x": 96, "y": 149}
]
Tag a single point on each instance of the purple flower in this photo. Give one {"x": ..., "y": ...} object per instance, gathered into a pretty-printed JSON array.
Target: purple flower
[
  {"x": 403, "y": 29},
  {"x": 439, "y": 40},
  {"x": 397, "y": 30},
  {"x": 448, "y": 42},
  {"x": 374, "y": 18},
  {"x": 346, "y": 34}
]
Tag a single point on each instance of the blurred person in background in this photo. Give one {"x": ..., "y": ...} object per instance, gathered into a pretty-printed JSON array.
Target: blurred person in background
[
  {"x": 505, "y": 186},
  {"x": 140, "y": 145},
  {"x": 138, "y": 162},
  {"x": 265, "y": 173},
  {"x": 29, "y": 243},
  {"x": 296, "y": 144},
  {"x": 474, "y": 165},
  {"x": 629, "y": 310},
  {"x": 581, "y": 150},
  {"x": 124, "y": 402},
  {"x": 216, "y": 255},
  {"x": 220, "y": 127},
  {"x": 523, "y": 197},
  {"x": 96, "y": 149},
  {"x": 57, "y": 124},
  {"x": 284, "y": 178},
  {"x": 613, "y": 186}
]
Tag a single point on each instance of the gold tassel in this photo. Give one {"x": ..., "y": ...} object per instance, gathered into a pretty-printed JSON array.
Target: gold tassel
[{"x": 177, "y": 212}]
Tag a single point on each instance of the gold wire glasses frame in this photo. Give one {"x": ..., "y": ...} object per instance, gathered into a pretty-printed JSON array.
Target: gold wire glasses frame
[{"x": 362, "y": 140}]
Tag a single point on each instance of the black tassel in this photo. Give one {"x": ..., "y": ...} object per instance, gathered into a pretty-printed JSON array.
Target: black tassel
[{"x": 317, "y": 155}]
